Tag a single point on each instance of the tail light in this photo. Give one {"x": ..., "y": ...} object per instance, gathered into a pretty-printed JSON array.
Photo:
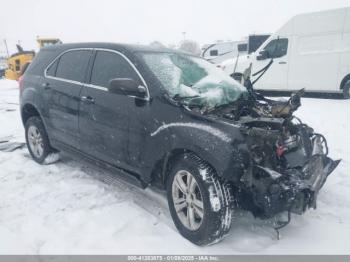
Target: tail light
[{"x": 20, "y": 83}]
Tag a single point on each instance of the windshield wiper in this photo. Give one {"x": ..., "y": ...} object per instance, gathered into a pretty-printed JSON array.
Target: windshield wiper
[
  {"x": 179, "y": 98},
  {"x": 182, "y": 100}
]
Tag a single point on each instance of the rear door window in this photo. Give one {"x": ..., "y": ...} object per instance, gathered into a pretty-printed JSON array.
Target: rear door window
[
  {"x": 72, "y": 65},
  {"x": 109, "y": 65}
]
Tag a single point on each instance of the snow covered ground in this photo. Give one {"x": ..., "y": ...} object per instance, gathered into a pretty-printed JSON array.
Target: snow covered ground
[{"x": 69, "y": 208}]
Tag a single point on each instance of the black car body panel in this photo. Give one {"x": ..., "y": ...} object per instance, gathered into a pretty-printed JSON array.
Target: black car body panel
[{"x": 141, "y": 136}]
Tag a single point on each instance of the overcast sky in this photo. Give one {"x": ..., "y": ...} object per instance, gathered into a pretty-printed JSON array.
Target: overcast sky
[{"x": 143, "y": 21}]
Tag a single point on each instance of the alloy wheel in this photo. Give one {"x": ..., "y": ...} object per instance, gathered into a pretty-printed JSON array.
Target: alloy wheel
[
  {"x": 188, "y": 201},
  {"x": 35, "y": 141}
]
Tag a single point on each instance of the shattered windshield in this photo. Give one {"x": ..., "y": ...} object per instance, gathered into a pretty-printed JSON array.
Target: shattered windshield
[{"x": 193, "y": 80}]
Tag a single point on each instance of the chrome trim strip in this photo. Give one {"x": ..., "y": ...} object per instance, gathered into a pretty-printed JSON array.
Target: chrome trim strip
[
  {"x": 106, "y": 90},
  {"x": 65, "y": 80},
  {"x": 97, "y": 87},
  {"x": 147, "y": 98}
]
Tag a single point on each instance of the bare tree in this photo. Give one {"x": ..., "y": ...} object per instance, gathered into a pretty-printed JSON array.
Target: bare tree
[
  {"x": 156, "y": 44},
  {"x": 190, "y": 46},
  {"x": 172, "y": 46}
]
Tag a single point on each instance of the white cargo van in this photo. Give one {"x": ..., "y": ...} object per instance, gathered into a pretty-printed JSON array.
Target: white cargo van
[{"x": 310, "y": 51}]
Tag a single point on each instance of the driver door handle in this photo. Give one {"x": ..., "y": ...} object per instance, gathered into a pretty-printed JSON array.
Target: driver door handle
[
  {"x": 87, "y": 99},
  {"x": 282, "y": 63}
]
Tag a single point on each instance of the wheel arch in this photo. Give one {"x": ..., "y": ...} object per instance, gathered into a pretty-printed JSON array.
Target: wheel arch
[
  {"x": 28, "y": 110},
  {"x": 344, "y": 81},
  {"x": 163, "y": 166}
]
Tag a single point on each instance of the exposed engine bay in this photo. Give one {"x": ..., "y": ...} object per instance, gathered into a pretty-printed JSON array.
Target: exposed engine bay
[{"x": 288, "y": 161}]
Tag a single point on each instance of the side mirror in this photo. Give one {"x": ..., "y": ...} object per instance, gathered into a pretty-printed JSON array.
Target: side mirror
[
  {"x": 128, "y": 87},
  {"x": 263, "y": 54}
]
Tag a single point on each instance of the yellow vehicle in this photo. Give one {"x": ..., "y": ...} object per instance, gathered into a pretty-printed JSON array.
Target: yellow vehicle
[{"x": 17, "y": 63}]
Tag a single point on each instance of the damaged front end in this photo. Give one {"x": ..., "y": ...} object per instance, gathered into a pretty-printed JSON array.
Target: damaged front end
[
  {"x": 288, "y": 161},
  {"x": 281, "y": 164},
  {"x": 287, "y": 175}
]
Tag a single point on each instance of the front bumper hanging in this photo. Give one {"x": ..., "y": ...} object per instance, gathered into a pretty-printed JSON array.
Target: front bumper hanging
[{"x": 296, "y": 189}]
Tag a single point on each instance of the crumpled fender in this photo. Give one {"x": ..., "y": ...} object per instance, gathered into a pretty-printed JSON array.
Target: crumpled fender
[{"x": 221, "y": 149}]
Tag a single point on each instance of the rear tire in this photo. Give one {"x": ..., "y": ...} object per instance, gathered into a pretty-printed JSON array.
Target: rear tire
[
  {"x": 203, "y": 214},
  {"x": 37, "y": 140},
  {"x": 346, "y": 90}
]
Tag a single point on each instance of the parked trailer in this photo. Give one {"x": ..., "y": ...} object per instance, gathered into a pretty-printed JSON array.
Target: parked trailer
[
  {"x": 310, "y": 51},
  {"x": 221, "y": 51}
]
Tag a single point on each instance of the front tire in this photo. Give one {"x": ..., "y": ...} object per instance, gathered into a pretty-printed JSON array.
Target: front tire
[
  {"x": 200, "y": 204},
  {"x": 37, "y": 140}
]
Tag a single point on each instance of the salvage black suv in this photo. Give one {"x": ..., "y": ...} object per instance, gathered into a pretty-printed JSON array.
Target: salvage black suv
[{"x": 172, "y": 120}]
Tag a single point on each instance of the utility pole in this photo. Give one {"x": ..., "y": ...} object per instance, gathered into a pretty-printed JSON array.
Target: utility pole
[
  {"x": 7, "y": 50},
  {"x": 184, "y": 34}
]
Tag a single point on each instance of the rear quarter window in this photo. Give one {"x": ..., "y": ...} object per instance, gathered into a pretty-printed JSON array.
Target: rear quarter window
[{"x": 41, "y": 61}]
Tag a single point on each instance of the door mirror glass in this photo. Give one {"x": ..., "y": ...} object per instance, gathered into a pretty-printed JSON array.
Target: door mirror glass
[
  {"x": 263, "y": 54},
  {"x": 127, "y": 86}
]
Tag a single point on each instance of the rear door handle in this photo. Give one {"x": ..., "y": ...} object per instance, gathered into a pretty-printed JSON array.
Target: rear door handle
[
  {"x": 46, "y": 85},
  {"x": 87, "y": 99},
  {"x": 282, "y": 63}
]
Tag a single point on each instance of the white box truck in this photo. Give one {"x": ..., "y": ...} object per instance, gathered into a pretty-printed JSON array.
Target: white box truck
[{"x": 310, "y": 51}]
